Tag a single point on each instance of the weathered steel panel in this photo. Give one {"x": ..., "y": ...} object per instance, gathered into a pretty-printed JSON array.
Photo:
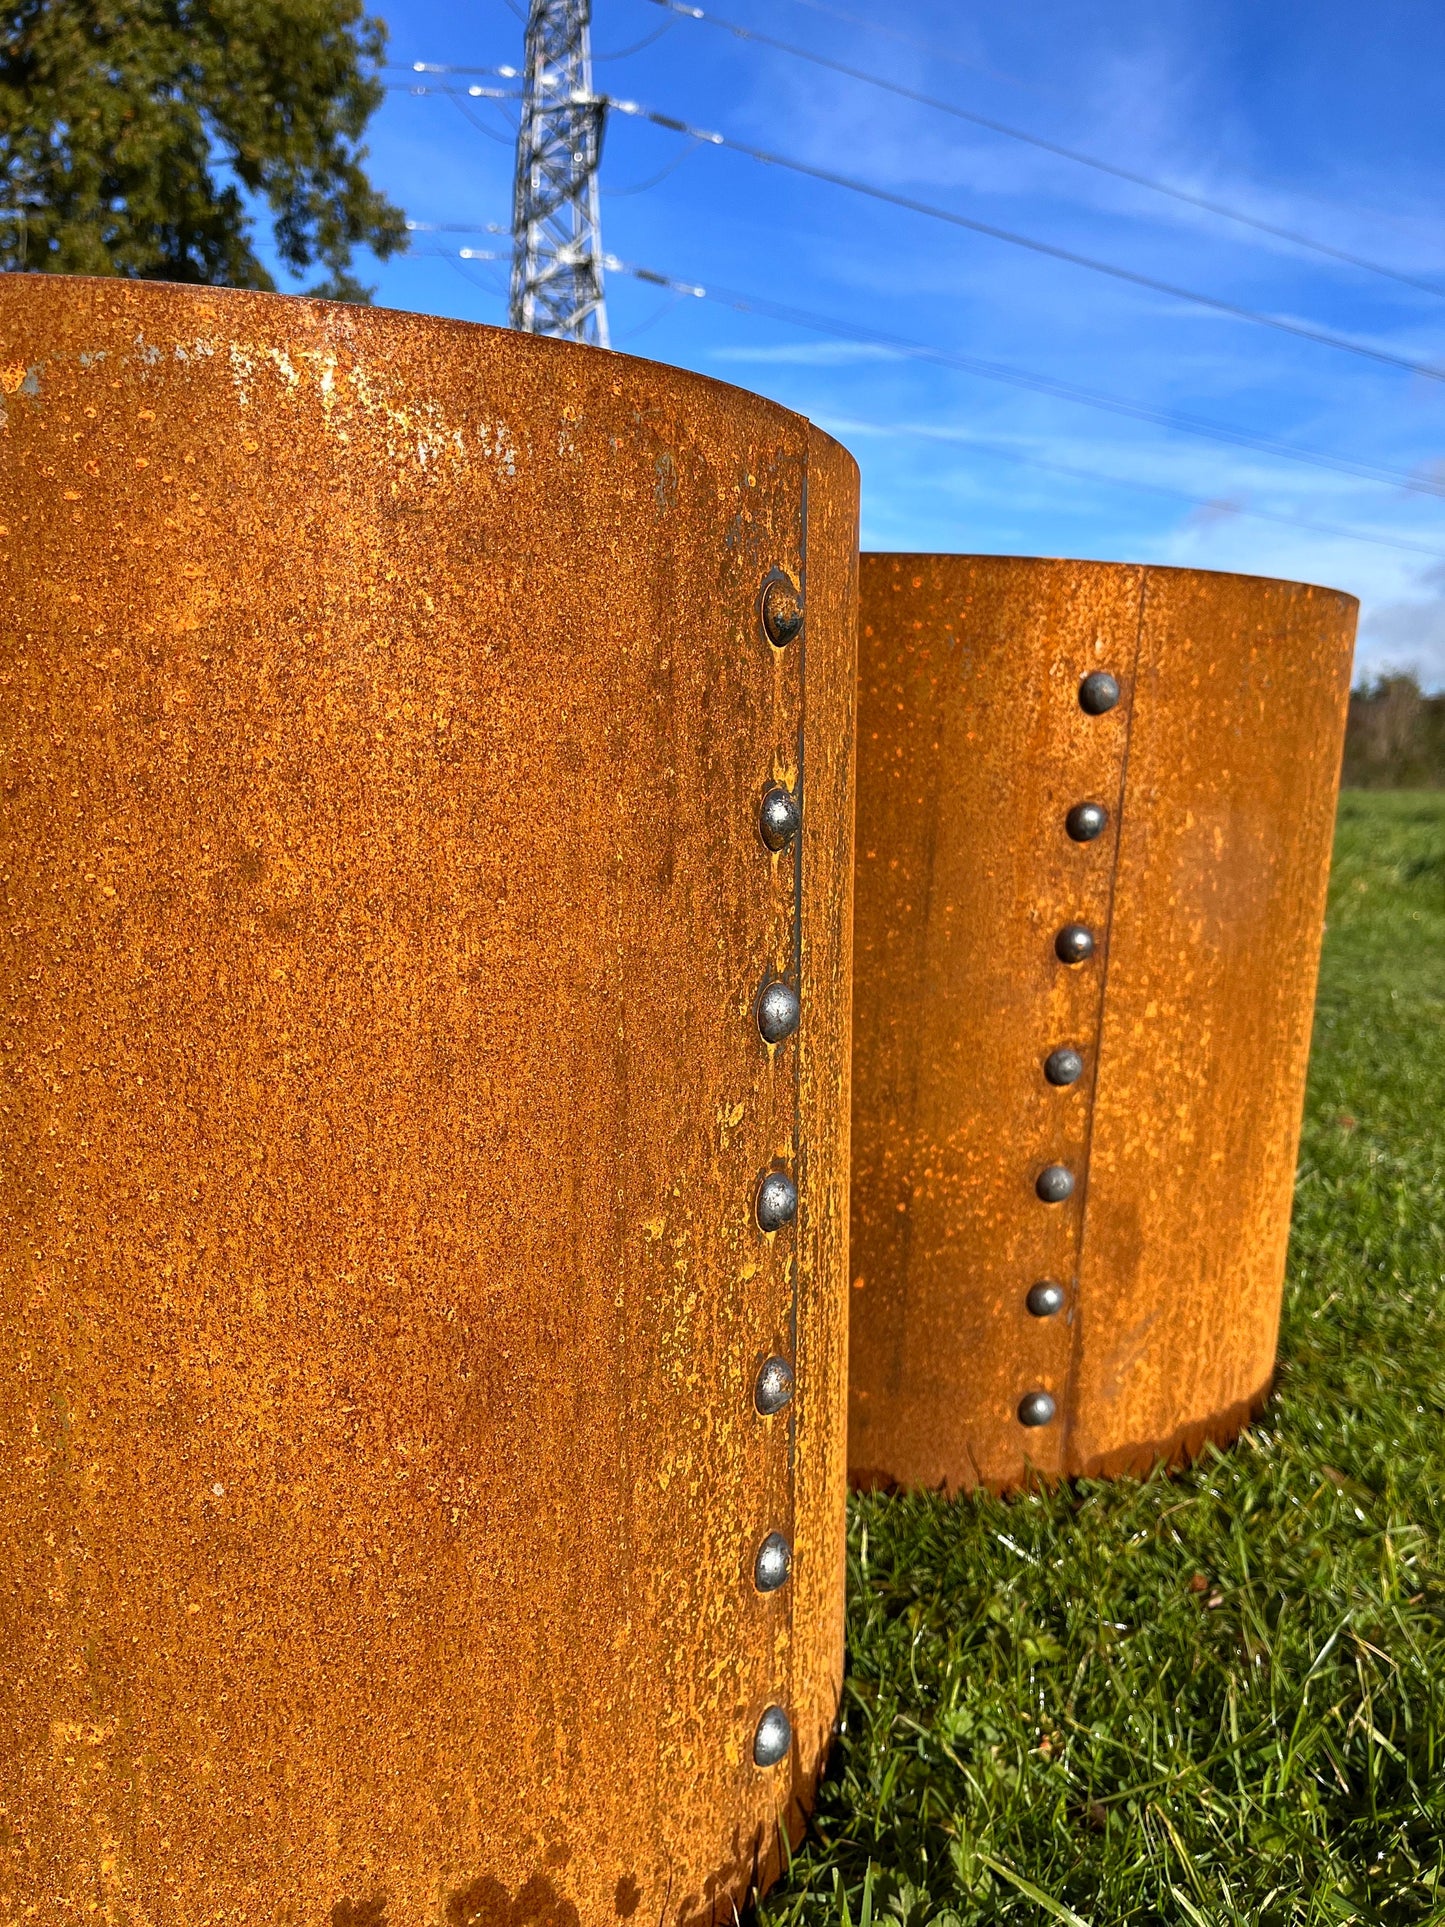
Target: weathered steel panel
[
  {"x": 1240, "y": 696},
  {"x": 820, "y": 1325},
  {"x": 387, "y": 712},
  {"x": 1202, "y": 889}
]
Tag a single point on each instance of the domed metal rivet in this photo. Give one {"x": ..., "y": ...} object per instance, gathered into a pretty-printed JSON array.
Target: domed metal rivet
[
  {"x": 781, "y": 608},
  {"x": 1098, "y": 692},
  {"x": 1064, "y": 1065},
  {"x": 1085, "y": 821},
  {"x": 778, "y": 1012},
  {"x": 773, "y": 1737},
  {"x": 1036, "y": 1408},
  {"x": 1045, "y": 1299},
  {"x": 780, "y": 818},
  {"x": 773, "y": 1563},
  {"x": 777, "y": 1201},
  {"x": 1074, "y": 943},
  {"x": 1055, "y": 1183},
  {"x": 774, "y": 1388}
]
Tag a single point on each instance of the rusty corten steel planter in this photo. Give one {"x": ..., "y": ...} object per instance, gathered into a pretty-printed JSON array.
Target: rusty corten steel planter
[
  {"x": 388, "y": 712},
  {"x": 1073, "y": 1262}
]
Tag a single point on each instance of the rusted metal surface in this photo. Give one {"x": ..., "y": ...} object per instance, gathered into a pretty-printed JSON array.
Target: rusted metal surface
[
  {"x": 1203, "y": 893},
  {"x": 387, "y": 714}
]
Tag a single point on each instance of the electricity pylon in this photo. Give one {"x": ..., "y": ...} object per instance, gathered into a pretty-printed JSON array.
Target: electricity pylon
[{"x": 556, "y": 228}]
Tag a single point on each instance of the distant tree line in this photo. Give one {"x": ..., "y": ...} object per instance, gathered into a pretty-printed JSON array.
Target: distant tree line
[{"x": 1395, "y": 739}]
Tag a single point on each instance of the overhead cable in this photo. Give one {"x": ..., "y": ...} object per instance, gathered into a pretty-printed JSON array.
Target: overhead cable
[
  {"x": 459, "y": 96},
  {"x": 1031, "y": 380},
  {"x": 456, "y": 227},
  {"x": 1302, "y": 330},
  {"x": 653, "y": 180},
  {"x": 626, "y": 53},
  {"x": 1209, "y": 206},
  {"x": 443, "y": 67},
  {"x": 845, "y": 425},
  {"x": 1378, "y": 473},
  {"x": 456, "y": 93},
  {"x": 1236, "y": 311}
]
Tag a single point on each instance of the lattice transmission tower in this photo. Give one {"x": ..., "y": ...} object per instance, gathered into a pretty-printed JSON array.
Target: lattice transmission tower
[{"x": 556, "y": 228}]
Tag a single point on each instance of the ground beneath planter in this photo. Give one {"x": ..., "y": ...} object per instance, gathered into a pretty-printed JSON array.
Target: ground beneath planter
[{"x": 1218, "y": 1697}]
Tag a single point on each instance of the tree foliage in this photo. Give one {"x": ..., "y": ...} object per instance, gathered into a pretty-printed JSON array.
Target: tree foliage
[
  {"x": 1396, "y": 737},
  {"x": 136, "y": 137}
]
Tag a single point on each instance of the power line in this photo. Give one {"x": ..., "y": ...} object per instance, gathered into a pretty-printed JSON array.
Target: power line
[
  {"x": 843, "y": 425},
  {"x": 846, "y": 425},
  {"x": 472, "y": 93},
  {"x": 1235, "y": 310},
  {"x": 497, "y": 292},
  {"x": 508, "y": 139},
  {"x": 1073, "y": 392},
  {"x": 1301, "y": 330},
  {"x": 653, "y": 180},
  {"x": 515, "y": 73},
  {"x": 626, "y": 53},
  {"x": 1304, "y": 331},
  {"x": 455, "y": 227},
  {"x": 677, "y": 7},
  {"x": 459, "y": 97},
  {"x": 1036, "y": 383},
  {"x": 443, "y": 67}
]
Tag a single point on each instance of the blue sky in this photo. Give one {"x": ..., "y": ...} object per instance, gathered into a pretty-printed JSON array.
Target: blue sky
[{"x": 1324, "y": 118}]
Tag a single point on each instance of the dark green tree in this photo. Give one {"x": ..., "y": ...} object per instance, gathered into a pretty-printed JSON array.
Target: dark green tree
[{"x": 132, "y": 133}]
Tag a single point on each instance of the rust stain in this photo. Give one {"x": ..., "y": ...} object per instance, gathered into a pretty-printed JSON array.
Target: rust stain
[
  {"x": 386, "y": 712},
  {"x": 1204, "y": 893}
]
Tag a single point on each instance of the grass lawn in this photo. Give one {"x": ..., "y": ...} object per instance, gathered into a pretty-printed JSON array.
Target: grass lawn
[{"x": 1218, "y": 1697}]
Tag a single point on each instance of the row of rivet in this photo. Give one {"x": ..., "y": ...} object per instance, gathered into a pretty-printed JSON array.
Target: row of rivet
[
  {"x": 780, "y": 818},
  {"x": 1074, "y": 944}
]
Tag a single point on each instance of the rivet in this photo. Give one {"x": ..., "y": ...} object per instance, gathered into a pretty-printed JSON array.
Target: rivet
[
  {"x": 1064, "y": 1065},
  {"x": 1098, "y": 692},
  {"x": 781, "y": 608},
  {"x": 1045, "y": 1299},
  {"x": 780, "y": 818},
  {"x": 773, "y": 1737},
  {"x": 773, "y": 1563},
  {"x": 1074, "y": 943},
  {"x": 1036, "y": 1408},
  {"x": 774, "y": 1388},
  {"x": 1055, "y": 1183},
  {"x": 1085, "y": 821},
  {"x": 778, "y": 1012},
  {"x": 777, "y": 1201}
]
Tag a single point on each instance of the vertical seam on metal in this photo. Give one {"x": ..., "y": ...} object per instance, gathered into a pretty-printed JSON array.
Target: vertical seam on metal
[
  {"x": 803, "y": 1229},
  {"x": 1076, "y": 1333},
  {"x": 799, "y": 1150}
]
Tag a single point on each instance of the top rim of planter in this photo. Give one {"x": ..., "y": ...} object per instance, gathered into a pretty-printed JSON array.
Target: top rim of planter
[
  {"x": 975, "y": 561},
  {"x": 359, "y": 321}
]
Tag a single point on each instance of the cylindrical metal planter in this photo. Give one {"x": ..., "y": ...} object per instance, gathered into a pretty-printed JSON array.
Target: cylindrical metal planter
[
  {"x": 422, "y": 1421},
  {"x": 1094, "y": 814}
]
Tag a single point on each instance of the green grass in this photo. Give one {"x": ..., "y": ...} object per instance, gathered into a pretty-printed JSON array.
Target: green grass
[{"x": 1218, "y": 1697}]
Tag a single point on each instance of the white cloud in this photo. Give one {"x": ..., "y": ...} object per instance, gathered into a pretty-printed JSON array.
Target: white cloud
[
  {"x": 1407, "y": 634},
  {"x": 1160, "y": 110}
]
